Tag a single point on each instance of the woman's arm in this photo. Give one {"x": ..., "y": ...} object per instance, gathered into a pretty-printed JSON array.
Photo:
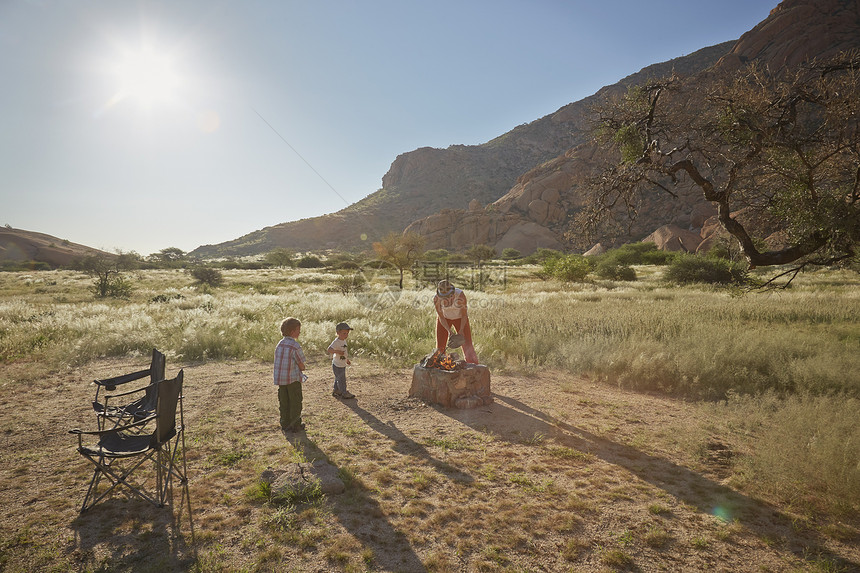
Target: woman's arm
[
  {"x": 442, "y": 320},
  {"x": 461, "y": 304}
]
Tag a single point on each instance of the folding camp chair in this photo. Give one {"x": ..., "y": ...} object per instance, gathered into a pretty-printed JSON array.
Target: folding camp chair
[
  {"x": 139, "y": 408},
  {"x": 119, "y": 452}
]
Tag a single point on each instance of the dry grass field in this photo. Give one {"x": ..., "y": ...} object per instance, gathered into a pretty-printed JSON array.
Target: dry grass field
[
  {"x": 557, "y": 474},
  {"x": 565, "y": 471}
]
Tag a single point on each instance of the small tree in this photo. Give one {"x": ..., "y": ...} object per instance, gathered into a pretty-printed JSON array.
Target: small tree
[
  {"x": 280, "y": 257},
  {"x": 480, "y": 253},
  {"x": 107, "y": 271},
  {"x": 208, "y": 276},
  {"x": 510, "y": 254},
  {"x": 310, "y": 262},
  {"x": 169, "y": 257},
  {"x": 401, "y": 250}
]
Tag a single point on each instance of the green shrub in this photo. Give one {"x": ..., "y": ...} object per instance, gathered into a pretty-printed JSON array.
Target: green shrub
[
  {"x": 348, "y": 284},
  {"x": 510, "y": 253},
  {"x": 207, "y": 276},
  {"x": 637, "y": 254},
  {"x": 280, "y": 257},
  {"x": 688, "y": 269},
  {"x": 436, "y": 255},
  {"x": 614, "y": 271},
  {"x": 542, "y": 255},
  {"x": 570, "y": 268},
  {"x": 112, "y": 285},
  {"x": 345, "y": 265},
  {"x": 310, "y": 262},
  {"x": 164, "y": 297}
]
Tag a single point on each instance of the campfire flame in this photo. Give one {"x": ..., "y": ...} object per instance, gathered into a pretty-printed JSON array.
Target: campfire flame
[{"x": 440, "y": 360}]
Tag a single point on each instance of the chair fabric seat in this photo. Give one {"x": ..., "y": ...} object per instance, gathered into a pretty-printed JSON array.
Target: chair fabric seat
[{"x": 119, "y": 445}]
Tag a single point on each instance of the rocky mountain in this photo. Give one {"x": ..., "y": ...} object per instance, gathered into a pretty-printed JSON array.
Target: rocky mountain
[
  {"x": 428, "y": 180},
  {"x": 520, "y": 189},
  {"x": 20, "y": 246},
  {"x": 537, "y": 210}
]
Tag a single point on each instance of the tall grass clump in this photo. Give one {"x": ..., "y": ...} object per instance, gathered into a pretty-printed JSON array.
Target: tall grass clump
[
  {"x": 806, "y": 448},
  {"x": 686, "y": 341}
]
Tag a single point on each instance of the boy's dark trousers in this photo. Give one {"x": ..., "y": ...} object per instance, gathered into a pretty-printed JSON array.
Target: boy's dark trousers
[{"x": 290, "y": 401}]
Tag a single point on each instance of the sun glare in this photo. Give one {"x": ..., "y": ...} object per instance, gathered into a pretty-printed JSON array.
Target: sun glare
[{"x": 147, "y": 77}]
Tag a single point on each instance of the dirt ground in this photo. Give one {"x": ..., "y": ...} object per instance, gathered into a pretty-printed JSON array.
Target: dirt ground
[{"x": 558, "y": 474}]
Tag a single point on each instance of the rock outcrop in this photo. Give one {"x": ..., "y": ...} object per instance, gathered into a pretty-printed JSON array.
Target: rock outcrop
[
  {"x": 548, "y": 195},
  {"x": 797, "y": 30},
  {"x": 425, "y": 181}
]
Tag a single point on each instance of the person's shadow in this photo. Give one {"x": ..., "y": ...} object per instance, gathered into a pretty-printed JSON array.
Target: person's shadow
[
  {"x": 392, "y": 550},
  {"x": 706, "y": 495},
  {"x": 406, "y": 446}
]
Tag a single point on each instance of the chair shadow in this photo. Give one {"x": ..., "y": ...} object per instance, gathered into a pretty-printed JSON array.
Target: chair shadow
[
  {"x": 125, "y": 550},
  {"x": 696, "y": 490}
]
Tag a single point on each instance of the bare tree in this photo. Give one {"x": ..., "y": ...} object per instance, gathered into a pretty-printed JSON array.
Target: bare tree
[
  {"x": 783, "y": 147},
  {"x": 400, "y": 249}
]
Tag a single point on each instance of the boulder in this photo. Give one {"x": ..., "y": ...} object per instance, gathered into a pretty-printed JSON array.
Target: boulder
[
  {"x": 597, "y": 249},
  {"x": 300, "y": 478},
  {"x": 701, "y": 213},
  {"x": 674, "y": 238}
]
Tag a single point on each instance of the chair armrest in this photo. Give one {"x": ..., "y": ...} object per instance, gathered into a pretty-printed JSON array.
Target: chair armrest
[
  {"x": 112, "y": 430},
  {"x": 112, "y": 383},
  {"x": 136, "y": 390}
]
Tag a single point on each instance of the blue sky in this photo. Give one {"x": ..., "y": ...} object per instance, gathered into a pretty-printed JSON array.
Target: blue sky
[{"x": 142, "y": 125}]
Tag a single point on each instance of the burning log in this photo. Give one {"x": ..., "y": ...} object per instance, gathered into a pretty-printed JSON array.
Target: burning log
[{"x": 441, "y": 360}]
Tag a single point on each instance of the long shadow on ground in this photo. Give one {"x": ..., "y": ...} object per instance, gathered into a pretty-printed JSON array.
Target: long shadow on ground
[
  {"x": 707, "y": 496},
  {"x": 125, "y": 551},
  {"x": 361, "y": 514}
]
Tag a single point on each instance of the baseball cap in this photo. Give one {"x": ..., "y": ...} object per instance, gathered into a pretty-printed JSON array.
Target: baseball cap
[{"x": 342, "y": 326}]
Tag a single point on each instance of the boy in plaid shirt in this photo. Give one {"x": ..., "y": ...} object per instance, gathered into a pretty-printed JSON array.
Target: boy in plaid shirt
[{"x": 288, "y": 375}]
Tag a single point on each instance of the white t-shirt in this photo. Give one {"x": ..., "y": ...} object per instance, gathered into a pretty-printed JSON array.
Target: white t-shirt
[{"x": 337, "y": 359}]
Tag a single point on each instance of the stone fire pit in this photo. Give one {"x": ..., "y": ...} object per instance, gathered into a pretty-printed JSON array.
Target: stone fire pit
[{"x": 466, "y": 386}]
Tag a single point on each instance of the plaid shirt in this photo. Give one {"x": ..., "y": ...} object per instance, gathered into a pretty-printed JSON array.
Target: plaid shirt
[{"x": 288, "y": 354}]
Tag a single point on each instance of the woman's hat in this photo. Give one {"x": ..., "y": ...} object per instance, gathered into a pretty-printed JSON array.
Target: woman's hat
[{"x": 444, "y": 288}]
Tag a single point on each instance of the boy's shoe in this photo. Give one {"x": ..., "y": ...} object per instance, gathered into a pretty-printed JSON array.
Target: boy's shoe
[
  {"x": 337, "y": 393},
  {"x": 346, "y": 395}
]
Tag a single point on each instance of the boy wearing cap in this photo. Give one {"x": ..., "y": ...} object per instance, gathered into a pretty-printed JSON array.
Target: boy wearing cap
[{"x": 340, "y": 360}]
